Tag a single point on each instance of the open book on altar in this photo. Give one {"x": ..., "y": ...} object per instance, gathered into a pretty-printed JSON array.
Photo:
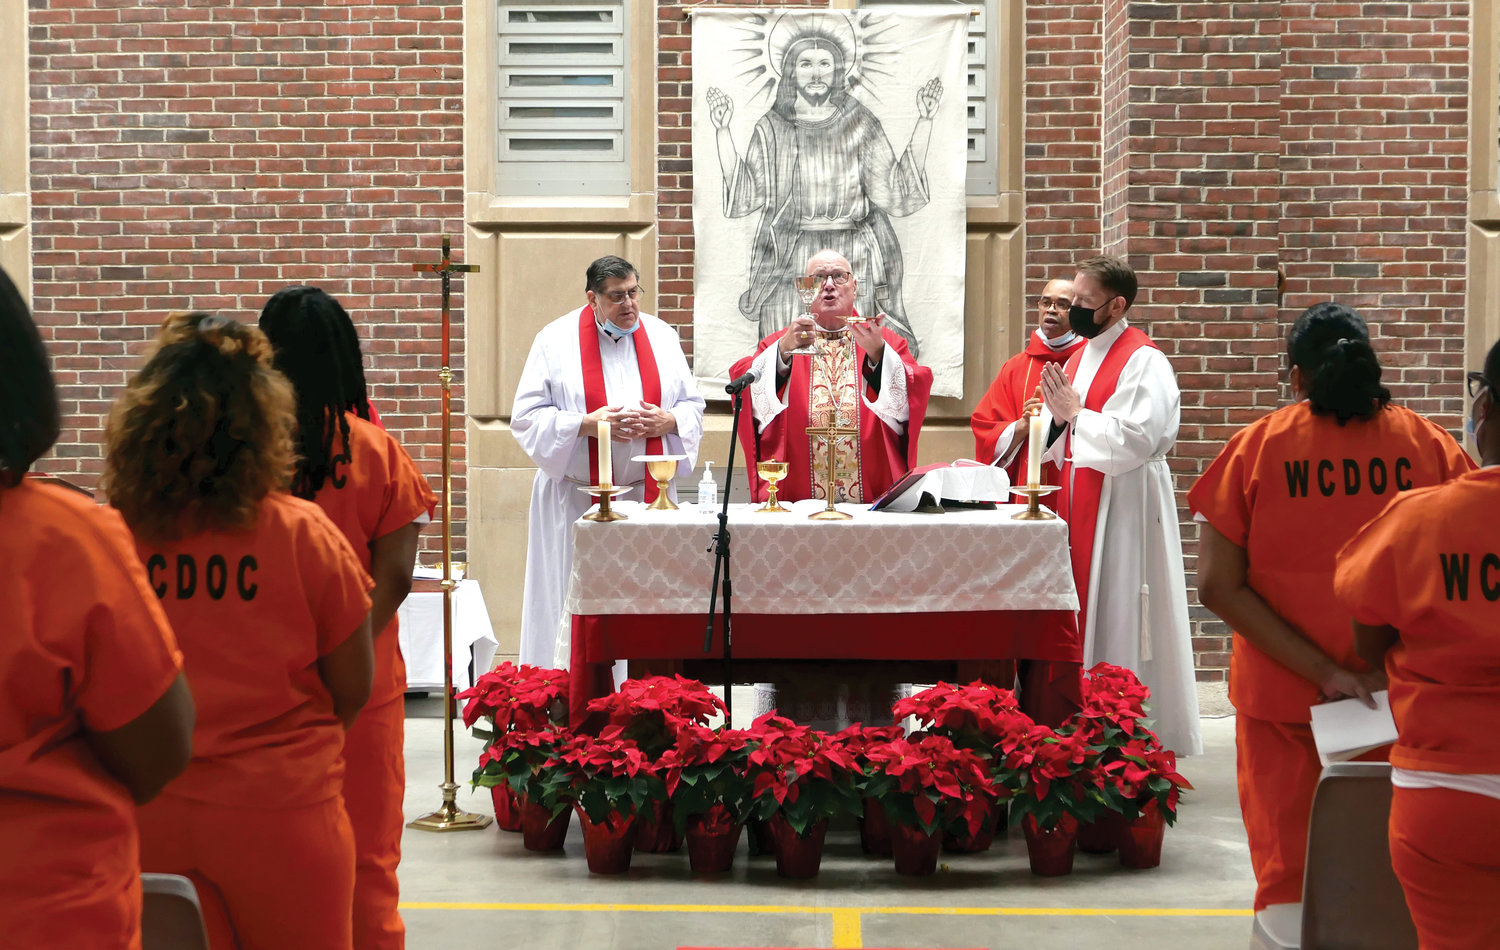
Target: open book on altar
[{"x": 961, "y": 484}]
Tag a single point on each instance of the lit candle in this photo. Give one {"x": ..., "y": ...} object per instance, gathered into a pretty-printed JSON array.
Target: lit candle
[
  {"x": 1034, "y": 451},
  {"x": 606, "y": 462}
]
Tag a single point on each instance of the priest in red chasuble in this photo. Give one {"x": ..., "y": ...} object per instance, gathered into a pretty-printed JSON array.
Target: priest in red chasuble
[
  {"x": 864, "y": 379},
  {"x": 999, "y": 432}
]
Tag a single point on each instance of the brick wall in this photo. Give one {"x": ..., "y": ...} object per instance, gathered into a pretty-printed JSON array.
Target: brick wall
[{"x": 190, "y": 155}]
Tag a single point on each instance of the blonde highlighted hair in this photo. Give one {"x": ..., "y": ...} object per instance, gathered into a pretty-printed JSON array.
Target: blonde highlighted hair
[{"x": 202, "y": 433}]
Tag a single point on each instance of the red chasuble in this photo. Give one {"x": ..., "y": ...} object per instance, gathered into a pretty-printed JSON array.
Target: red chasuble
[
  {"x": 593, "y": 386},
  {"x": 1081, "y": 487},
  {"x": 884, "y": 456},
  {"x": 1016, "y": 383}
]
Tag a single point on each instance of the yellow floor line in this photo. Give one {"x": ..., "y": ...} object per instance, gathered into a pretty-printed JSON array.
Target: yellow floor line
[
  {"x": 846, "y": 935},
  {"x": 809, "y": 909}
]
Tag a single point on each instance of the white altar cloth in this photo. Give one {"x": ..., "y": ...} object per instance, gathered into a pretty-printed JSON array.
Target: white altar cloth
[{"x": 879, "y": 562}]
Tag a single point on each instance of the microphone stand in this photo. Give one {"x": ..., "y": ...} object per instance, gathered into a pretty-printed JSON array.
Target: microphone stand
[{"x": 720, "y": 547}]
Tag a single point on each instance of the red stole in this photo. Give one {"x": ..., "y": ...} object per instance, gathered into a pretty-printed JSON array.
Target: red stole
[
  {"x": 1081, "y": 487},
  {"x": 594, "y": 396}
]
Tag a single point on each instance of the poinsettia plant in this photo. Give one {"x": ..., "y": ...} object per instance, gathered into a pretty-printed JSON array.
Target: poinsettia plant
[
  {"x": 650, "y": 710},
  {"x": 1141, "y": 773},
  {"x": 704, "y": 775},
  {"x": 858, "y": 739},
  {"x": 980, "y": 717},
  {"x": 1114, "y": 709},
  {"x": 517, "y": 697},
  {"x": 605, "y": 775},
  {"x": 1047, "y": 776},
  {"x": 527, "y": 762},
  {"x": 931, "y": 784},
  {"x": 799, "y": 774}
]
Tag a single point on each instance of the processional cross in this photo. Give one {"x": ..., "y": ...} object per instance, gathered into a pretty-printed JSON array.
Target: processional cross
[{"x": 448, "y": 817}]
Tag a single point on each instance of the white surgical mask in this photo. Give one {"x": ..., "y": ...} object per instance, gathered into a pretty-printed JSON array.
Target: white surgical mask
[
  {"x": 619, "y": 333},
  {"x": 1060, "y": 342}
]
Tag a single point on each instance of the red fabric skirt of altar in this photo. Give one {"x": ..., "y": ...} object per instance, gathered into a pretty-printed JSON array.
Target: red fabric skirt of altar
[{"x": 1050, "y": 636}]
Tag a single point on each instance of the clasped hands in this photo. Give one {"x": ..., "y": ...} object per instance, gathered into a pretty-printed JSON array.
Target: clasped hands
[
  {"x": 866, "y": 333},
  {"x": 647, "y": 421},
  {"x": 1057, "y": 394}
]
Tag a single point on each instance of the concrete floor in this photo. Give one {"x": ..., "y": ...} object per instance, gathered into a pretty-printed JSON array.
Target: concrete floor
[{"x": 481, "y": 889}]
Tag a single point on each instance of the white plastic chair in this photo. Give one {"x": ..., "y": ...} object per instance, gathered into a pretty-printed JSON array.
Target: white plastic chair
[
  {"x": 1351, "y": 899},
  {"x": 171, "y": 917}
]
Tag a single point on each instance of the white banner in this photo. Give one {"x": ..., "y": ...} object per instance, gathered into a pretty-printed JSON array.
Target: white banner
[{"x": 829, "y": 129}]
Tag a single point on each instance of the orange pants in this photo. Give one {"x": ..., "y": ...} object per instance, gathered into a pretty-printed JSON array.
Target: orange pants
[
  {"x": 268, "y": 878},
  {"x": 1278, "y": 769},
  {"x": 374, "y": 789},
  {"x": 1445, "y": 847},
  {"x": 93, "y": 915}
]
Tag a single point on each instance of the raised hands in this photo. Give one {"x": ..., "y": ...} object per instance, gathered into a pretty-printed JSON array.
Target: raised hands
[
  {"x": 720, "y": 107},
  {"x": 928, "y": 98}
]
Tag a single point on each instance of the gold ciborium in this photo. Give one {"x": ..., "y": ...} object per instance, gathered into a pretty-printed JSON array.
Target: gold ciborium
[
  {"x": 772, "y": 471},
  {"x": 807, "y": 291},
  {"x": 661, "y": 468}
]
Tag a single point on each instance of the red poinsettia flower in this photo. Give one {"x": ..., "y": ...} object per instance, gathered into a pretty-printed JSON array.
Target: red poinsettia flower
[
  {"x": 515, "y": 697},
  {"x": 978, "y": 716},
  {"x": 933, "y": 781}
]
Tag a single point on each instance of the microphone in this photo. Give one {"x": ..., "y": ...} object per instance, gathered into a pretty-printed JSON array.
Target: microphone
[{"x": 743, "y": 381}]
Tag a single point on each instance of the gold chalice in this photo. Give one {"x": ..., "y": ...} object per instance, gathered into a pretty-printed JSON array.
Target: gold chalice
[
  {"x": 772, "y": 471},
  {"x": 661, "y": 468}
]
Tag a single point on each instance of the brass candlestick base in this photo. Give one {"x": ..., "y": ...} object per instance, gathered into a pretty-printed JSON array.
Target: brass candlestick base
[
  {"x": 831, "y": 432},
  {"x": 661, "y": 468},
  {"x": 605, "y": 513},
  {"x": 449, "y": 817},
  {"x": 1034, "y": 510}
]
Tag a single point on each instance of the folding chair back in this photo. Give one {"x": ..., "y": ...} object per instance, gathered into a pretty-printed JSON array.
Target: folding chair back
[{"x": 172, "y": 918}]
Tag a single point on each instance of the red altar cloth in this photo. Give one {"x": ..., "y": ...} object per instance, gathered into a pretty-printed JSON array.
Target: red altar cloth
[{"x": 1051, "y": 636}]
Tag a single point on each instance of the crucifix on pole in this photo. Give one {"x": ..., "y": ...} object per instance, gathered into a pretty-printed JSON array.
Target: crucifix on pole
[{"x": 448, "y": 817}]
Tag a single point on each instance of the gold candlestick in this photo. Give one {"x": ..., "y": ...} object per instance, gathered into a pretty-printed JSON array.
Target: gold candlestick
[
  {"x": 605, "y": 493},
  {"x": 831, "y": 432},
  {"x": 1034, "y": 510}
]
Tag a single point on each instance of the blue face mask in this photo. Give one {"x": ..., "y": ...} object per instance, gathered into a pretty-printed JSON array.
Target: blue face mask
[{"x": 619, "y": 333}]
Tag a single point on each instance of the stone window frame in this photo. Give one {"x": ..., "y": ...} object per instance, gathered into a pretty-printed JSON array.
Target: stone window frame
[{"x": 15, "y": 153}]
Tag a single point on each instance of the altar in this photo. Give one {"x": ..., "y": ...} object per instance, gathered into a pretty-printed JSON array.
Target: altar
[{"x": 967, "y": 585}]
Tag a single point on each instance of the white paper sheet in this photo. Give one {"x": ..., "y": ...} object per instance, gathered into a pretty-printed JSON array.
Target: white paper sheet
[{"x": 1346, "y": 729}]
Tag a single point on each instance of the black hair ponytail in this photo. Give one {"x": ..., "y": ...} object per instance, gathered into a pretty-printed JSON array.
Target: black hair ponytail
[{"x": 1331, "y": 345}]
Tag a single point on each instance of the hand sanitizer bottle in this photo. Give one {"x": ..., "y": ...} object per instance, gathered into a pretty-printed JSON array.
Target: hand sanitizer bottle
[{"x": 708, "y": 489}]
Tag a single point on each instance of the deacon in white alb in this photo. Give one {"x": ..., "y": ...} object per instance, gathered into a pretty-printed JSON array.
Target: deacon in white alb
[
  {"x": 1114, "y": 414},
  {"x": 606, "y": 362}
]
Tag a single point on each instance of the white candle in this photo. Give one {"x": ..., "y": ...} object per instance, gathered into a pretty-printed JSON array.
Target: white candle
[
  {"x": 606, "y": 462},
  {"x": 1034, "y": 451}
]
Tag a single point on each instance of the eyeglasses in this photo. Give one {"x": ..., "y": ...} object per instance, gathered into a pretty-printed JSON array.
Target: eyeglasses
[
  {"x": 1477, "y": 382},
  {"x": 1053, "y": 303},
  {"x": 840, "y": 277},
  {"x": 618, "y": 296}
]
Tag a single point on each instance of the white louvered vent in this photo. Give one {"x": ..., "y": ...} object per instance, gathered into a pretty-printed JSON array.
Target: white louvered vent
[{"x": 562, "y": 98}]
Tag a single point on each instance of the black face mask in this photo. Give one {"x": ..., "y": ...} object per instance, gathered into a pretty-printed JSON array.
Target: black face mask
[{"x": 1081, "y": 320}]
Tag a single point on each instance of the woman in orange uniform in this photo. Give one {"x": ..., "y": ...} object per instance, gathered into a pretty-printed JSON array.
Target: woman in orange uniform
[
  {"x": 357, "y": 473},
  {"x": 270, "y": 606},
  {"x": 1422, "y": 582},
  {"x": 94, "y": 713},
  {"x": 1276, "y": 506}
]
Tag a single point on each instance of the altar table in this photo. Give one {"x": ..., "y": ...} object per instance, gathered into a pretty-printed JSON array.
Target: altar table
[{"x": 965, "y": 585}]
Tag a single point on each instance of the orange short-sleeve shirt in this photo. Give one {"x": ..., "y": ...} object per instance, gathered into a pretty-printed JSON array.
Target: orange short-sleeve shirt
[
  {"x": 1429, "y": 566},
  {"x": 254, "y": 611},
  {"x": 1290, "y": 489},
  {"x": 372, "y": 490},
  {"x": 83, "y": 645}
]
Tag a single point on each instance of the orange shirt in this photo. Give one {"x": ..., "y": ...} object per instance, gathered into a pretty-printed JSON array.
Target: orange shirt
[
  {"x": 254, "y": 611},
  {"x": 1291, "y": 488},
  {"x": 1429, "y": 566},
  {"x": 83, "y": 645},
  {"x": 372, "y": 490}
]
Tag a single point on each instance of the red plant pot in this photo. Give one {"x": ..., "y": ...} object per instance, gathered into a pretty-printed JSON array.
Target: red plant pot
[
  {"x": 654, "y": 831},
  {"x": 875, "y": 829},
  {"x": 964, "y": 843},
  {"x": 1140, "y": 838},
  {"x": 1102, "y": 835},
  {"x": 915, "y": 851},
  {"x": 1050, "y": 850},
  {"x": 798, "y": 856},
  {"x": 762, "y": 841},
  {"x": 507, "y": 809},
  {"x": 607, "y": 844},
  {"x": 539, "y": 830},
  {"x": 711, "y": 843}
]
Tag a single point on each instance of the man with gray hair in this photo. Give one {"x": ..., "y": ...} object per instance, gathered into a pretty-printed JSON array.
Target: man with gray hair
[{"x": 605, "y": 362}]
